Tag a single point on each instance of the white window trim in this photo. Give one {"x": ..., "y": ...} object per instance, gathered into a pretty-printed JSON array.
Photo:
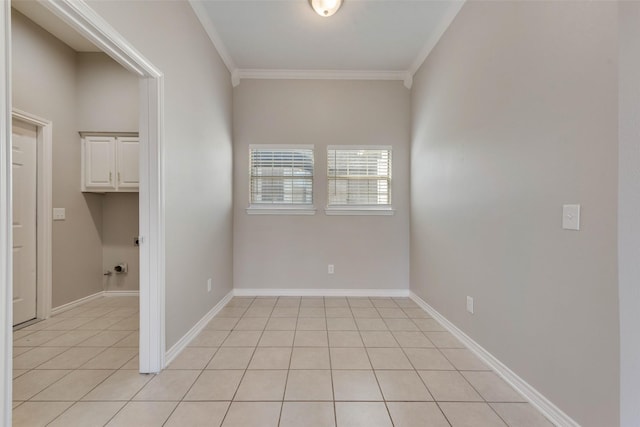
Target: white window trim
[
  {"x": 282, "y": 146},
  {"x": 364, "y": 210},
  {"x": 282, "y": 209},
  {"x": 382, "y": 210},
  {"x": 360, "y": 147}
]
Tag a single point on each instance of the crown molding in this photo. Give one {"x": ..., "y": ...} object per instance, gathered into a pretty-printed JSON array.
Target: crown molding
[
  {"x": 449, "y": 16},
  {"x": 203, "y": 17},
  {"x": 405, "y": 76},
  {"x": 322, "y": 74}
]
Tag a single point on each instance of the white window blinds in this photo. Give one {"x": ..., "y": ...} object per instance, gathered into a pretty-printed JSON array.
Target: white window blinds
[
  {"x": 281, "y": 175},
  {"x": 359, "y": 176}
]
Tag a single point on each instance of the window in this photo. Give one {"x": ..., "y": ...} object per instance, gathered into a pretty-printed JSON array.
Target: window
[
  {"x": 359, "y": 178},
  {"x": 281, "y": 178}
]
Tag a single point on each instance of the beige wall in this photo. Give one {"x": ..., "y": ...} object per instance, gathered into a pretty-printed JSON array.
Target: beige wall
[
  {"x": 107, "y": 95},
  {"x": 284, "y": 251},
  {"x": 197, "y": 153},
  {"x": 629, "y": 212},
  {"x": 514, "y": 114},
  {"x": 119, "y": 226},
  {"x": 44, "y": 83},
  {"x": 107, "y": 101},
  {"x": 79, "y": 91}
]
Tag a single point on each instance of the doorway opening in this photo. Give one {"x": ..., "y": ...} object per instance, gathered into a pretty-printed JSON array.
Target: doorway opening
[{"x": 87, "y": 22}]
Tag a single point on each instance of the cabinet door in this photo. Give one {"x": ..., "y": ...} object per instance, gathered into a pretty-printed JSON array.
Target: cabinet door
[
  {"x": 99, "y": 163},
  {"x": 128, "y": 177}
]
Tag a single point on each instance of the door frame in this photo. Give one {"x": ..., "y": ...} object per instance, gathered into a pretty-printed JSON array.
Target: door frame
[
  {"x": 90, "y": 24},
  {"x": 44, "y": 208}
]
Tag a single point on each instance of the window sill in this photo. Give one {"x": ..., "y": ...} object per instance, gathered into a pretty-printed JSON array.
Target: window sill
[
  {"x": 281, "y": 210},
  {"x": 360, "y": 210}
]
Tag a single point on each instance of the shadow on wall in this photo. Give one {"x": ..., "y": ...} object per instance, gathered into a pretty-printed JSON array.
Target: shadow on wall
[{"x": 94, "y": 205}]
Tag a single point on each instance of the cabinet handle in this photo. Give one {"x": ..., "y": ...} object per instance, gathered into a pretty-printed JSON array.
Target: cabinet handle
[
  {"x": 119, "y": 178},
  {"x": 109, "y": 177}
]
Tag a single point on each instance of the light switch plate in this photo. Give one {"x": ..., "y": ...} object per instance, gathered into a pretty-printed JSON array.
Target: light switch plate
[
  {"x": 571, "y": 217},
  {"x": 470, "y": 304},
  {"x": 59, "y": 214}
]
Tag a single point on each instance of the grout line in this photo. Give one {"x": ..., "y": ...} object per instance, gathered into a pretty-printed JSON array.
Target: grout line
[
  {"x": 443, "y": 414},
  {"x": 245, "y": 314},
  {"x": 248, "y": 363},
  {"x": 76, "y": 345},
  {"x": 366, "y": 351},
  {"x": 333, "y": 389},
  {"x": 286, "y": 380}
]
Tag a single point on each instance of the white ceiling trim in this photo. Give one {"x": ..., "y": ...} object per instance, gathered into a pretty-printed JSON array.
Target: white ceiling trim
[
  {"x": 449, "y": 16},
  {"x": 322, "y": 75},
  {"x": 204, "y": 19},
  {"x": 406, "y": 76},
  {"x": 92, "y": 25}
]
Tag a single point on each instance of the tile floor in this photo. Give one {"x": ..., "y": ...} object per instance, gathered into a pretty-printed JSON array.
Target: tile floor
[{"x": 288, "y": 362}]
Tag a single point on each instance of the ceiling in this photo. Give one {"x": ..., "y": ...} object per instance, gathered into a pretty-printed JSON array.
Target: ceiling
[
  {"x": 365, "y": 39},
  {"x": 365, "y": 35}
]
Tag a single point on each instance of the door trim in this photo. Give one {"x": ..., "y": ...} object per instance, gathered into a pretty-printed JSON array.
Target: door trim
[
  {"x": 85, "y": 20},
  {"x": 44, "y": 143},
  {"x": 6, "y": 260}
]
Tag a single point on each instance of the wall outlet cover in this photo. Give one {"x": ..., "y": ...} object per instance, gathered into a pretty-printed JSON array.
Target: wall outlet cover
[{"x": 571, "y": 217}]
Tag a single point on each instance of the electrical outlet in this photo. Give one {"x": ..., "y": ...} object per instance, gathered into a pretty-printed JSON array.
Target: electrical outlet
[
  {"x": 209, "y": 284},
  {"x": 330, "y": 269},
  {"x": 571, "y": 217},
  {"x": 470, "y": 305}
]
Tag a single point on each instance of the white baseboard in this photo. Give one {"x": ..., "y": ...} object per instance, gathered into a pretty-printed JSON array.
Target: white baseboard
[
  {"x": 121, "y": 293},
  {"x": 396, "y": 293},
  {"x": 175, "y": 350},
  {"x": 544, "y": 405},
  {"x": 73, "y": 304}
]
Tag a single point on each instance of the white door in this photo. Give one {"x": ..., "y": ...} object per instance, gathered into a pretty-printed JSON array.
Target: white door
[
  {"x": 128, "y": 175},
  {"x": 25, "y": 170}
]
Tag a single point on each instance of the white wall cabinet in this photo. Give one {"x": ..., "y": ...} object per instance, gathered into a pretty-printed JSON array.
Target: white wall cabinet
[{"x": 110, "y": 163}]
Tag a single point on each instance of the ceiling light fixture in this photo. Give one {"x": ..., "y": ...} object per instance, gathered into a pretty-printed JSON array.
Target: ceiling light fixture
[{"x": 326, "y": 8}]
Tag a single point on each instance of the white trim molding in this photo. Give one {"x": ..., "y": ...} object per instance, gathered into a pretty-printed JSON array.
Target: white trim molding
[
  {"x": 91, "y": 25},
  {"x": 355, "y": 210},
  {"x": 406, "y": 76},
  {"x": 393, "y": 293},
  {"x": 544, "y": 405},
  {"x": 73, "y": 304},
  {"x": 321, "y": 74},
  {"x": 281, "y": 210},
  {"x": 44, "y": 149},
  {"x": 183, "y": 342},
  {"x": 203, "y": 16},
  {"x": 117, "y": 294},
  {"x": 451, "y": 13},
  {"x": 6, "y": 261},
  {"x": 152, "y": 228}
]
